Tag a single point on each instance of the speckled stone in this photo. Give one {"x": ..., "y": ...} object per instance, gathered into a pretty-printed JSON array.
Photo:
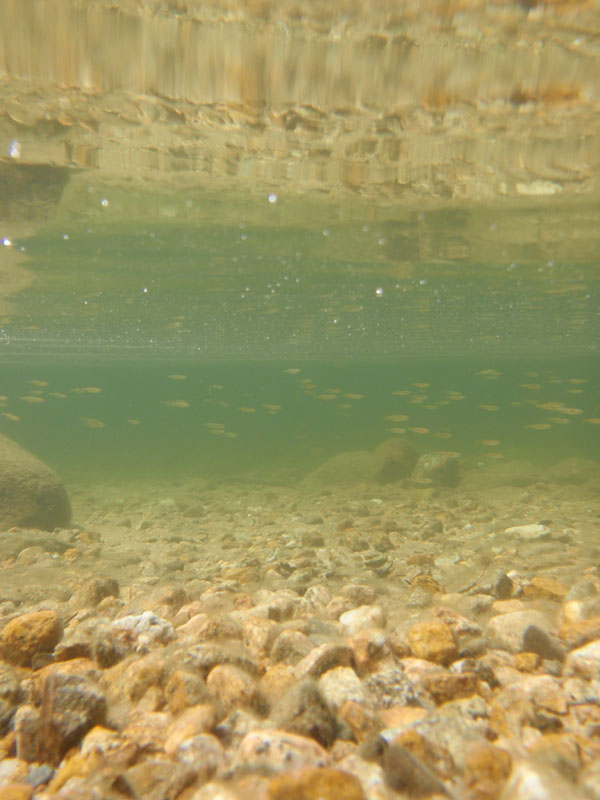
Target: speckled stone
[
  {"x": 28, "y": 634},
  {"x": 234, "y": 688},
  {"x": 277, "y": 750}
]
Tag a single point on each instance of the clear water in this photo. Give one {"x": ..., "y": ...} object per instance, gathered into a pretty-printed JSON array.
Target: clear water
[{"x": 165, "y": 337}]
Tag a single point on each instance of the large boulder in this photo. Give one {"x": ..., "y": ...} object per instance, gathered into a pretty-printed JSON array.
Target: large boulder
[
  {"x": 31, "y": 493},
  {"x": 393, "y": 460}
]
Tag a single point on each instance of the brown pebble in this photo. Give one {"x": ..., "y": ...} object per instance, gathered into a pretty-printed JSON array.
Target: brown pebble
[
  {"x": 433, "y": 641},
  {"x": 16, "y": 791},
  {"x": 487, "y": 763},
  {"x": 325, "y": 783},
  {"x": 28, "y": 634},
  {"x": 545, "y": 588},
  {"x": 444, "y": 686},
  {"x": 527, "y": 662},
  {"x": 233, "y": 687}
]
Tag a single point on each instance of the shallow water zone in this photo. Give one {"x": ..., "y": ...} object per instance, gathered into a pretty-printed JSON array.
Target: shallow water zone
[{"x": 300, "y": 303}]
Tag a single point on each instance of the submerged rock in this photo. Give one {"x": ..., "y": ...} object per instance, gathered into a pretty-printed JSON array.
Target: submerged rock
[
  {"x": 32, "y": 493},
  {"x": 392, "y": 460},
  {"x": 438, "y": 469}
]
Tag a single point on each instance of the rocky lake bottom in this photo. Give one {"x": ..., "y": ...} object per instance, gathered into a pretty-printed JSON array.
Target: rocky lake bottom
[{"x": 248, "y": 640}]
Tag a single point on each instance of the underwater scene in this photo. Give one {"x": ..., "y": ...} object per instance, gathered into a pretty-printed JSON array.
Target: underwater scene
[{"x": 299, "y": 401}]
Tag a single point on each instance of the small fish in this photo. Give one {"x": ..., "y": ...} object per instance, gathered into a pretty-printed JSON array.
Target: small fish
[
  {"x": 214, "y": 425},
  {"x": 31, "y": 399},
  {"x": 419, "y": 430},
  {"x": 592, "y": 420},
  {"x": 398, "y": 431},
  {"x": 538, "y": 426},
  {"x": 443, "y": 435},
  {"x": 177, "y": 377},
  {"x": 57, "y": 395},
  {"x": 352, "y": 396},
  {"x": 271, "y": 407},
  {"x": 133, "y": 421},
  {"x": 571, "y": 411},
  {"x": 488, "y": 407},
  {"x": 421, "y": 385},
  {"x": 93, "y": 423},
  {"x": 246, "y": 410},
  {"x": 402, "y": 392},
  {"x": 39, "y": 383},
  {"x": 488, "y": 373},
  {"x": 326, "y": 396},
  {"x": 291, "y": 371},
  {"x": 532, "y": 386},
  {"x": 86, "y": 390},
  {"x": 11, "y": 417},
  {"x": 395, "y": 418},
  {"x": 489, "y": 442},
  {"x": 176, "y": 403}
]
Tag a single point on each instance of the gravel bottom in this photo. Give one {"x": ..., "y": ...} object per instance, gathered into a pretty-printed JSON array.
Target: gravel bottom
[{"x": 247, "y": 641}]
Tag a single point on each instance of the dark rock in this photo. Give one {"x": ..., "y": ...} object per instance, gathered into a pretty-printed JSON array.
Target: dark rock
[
  {"x": 536, "y": 640},
  {"x": 303, "y": 710},
  {"x": 392, "y": 460},
  {"x": 404, "y": 772},
  {"x": 437, "y": 469},
  {"x": 502, "y": 585},
  {"x": 64, "y": 708},
  {"x": 32, "y": 493},
  {"x": 574, "y": 471}
]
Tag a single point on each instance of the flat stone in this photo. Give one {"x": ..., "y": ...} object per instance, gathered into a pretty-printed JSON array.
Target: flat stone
[
  {"x": 325, "y": 783},
  {"x": 528, "y": 532},
  {"x": 506, "y": 631}
]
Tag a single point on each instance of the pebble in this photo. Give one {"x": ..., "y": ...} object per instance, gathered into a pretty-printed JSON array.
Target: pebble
[
  {"x": 362, "y": 617},
  {"x": 309, "y": 784},
  {"x": 528, "y": 532},
  {"x": 433, "y": 641},
  {"x": 584, "y": 661},
  {"x": 348, "y": 684},
  {"x": 276, "y": 749},
  {"x": 507, "y": 630},
  {"x": 27, "y": 635},
  {"x": 303, "y": 710}
]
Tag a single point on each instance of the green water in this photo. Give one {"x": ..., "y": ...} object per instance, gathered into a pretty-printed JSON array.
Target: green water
[
  {"x": 166, "y": 338},
  {"x": 230, "y": 419}
]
